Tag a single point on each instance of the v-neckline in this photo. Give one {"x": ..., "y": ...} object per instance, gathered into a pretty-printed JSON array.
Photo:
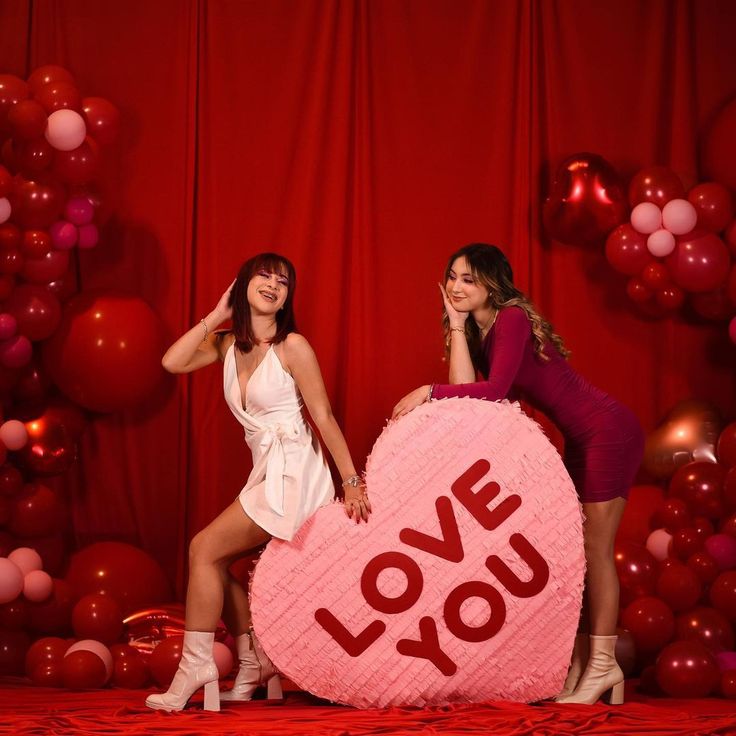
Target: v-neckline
[{"x": 243, "y": 391}]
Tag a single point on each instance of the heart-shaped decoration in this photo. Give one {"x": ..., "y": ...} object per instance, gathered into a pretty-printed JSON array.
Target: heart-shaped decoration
[{"x": 464, "y": 586}]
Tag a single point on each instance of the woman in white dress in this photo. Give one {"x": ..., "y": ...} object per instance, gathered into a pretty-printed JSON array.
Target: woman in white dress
[{"x": 270, "y": 375}]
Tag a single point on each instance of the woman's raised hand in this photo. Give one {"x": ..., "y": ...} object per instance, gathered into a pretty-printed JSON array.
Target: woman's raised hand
[
  {"x": 223, "y": 308},
  {"x": 457, "y": 319}
]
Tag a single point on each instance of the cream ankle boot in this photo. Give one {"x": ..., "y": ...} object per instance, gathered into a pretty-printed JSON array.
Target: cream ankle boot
[
  {"x": 255, "y": 669},
  {"x": 580, "y": 654},
  {"x": 601, "y": 675},
  {"x": 196, "y": 669}
]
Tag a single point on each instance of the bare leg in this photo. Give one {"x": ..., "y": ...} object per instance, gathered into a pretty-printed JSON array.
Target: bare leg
[
  {"x": 236, "y": 608},
  {"x": 229, "y": 536},
  {"x": 602, "y": 520}
]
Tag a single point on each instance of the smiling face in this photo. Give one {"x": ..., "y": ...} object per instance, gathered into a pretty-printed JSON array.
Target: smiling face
[
  {"x": 465, "y": 292},
  {"x": 267, "y": 291}
]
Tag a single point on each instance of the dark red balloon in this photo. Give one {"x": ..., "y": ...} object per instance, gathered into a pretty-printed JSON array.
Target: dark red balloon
[
  {"x": 714, "y": 205},
  {"x": 626, "y": 251},
  {"x": 50, "y": 449},
  {"x": 700, "y": 262},
  {"x": 650, "y": 622},
  {"x": 14, "y": 615},
  {"x": 78, "y": 166},
  {"x": 37, "y": 512},
  {"x": 636, "y": 570},
  {"x": 106, "y": 354},
  {"x": 33, "y": 157},
  {"x": 10, "y": 236},
  {"x": 46, "y": 74},
  {"x": 670, "y": 297},
  {"x": 164, "y": 660},
  {"x": 11, "y": 480},
  {"x": 672, "y": 515},
  {"x": 54, "y": 616},
  {"x": 729, "y": 490},
  {"x": 708, "y": 626},
  {"x": 12, "y": 90},
  {"x": 714, "y": 305},
  {"x": 11, "y": 261},
  {"x": 655, "y": 275},
  {"x": 105, "y": 567},
  {"x": 726, "y": 448},
  {"x": 83, "y": 670},
  {"x": 68, "y": 414},
  {"x": 686, "y": 542},
  {"x": 656, "y": 184},
  {"x": 723, "y": 594},
  {"x": 35, "y": 243},
  {"x": 13, "y": 648},
  {"x": 638, "y": 291},
  {"x": 98, "y": 617},
  {"x": 48, "y": 674},
  {"x": 703, "y": 526},
  {"x": 586, "y": 201},
  {"x": 130, "y": 672},
  {"x": 686, "y": 669},
  {"x": 102, "y": 118},
  {"x": 728, "y": 526},
  {"x": 58, "y": 95},
  {"x": 27, "y": 120},
  {"x": 728, "y": 684},
  {"x": 36, "y": 205},
  {"x": 47, "y": 649},
  {"x": 49, "y": 267},
  {"x": 700, "y": 485},
  {"x": 37, "y": 311},
  {"x": 678, "y": 586},
  {"x": 719, "y": 147}
]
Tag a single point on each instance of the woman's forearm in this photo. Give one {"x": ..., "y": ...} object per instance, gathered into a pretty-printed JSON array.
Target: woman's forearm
[
  {"x": 178, "y": 358},
  {"x": 461, "y": 364}
]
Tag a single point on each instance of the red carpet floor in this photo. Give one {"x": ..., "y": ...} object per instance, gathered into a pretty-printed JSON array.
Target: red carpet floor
[{"x": 29, "y": 710}]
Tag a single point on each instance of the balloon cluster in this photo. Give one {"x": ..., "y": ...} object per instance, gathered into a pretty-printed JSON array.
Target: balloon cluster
[
  {"x": 676, "y": 559},
  {"x": 22, "y": 574}
]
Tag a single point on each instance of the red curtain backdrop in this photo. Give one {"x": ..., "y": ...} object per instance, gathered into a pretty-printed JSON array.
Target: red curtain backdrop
[{"x": 366, "y": 140}]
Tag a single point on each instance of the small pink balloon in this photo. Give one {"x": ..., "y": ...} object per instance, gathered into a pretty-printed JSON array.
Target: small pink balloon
[
  {"x": 15, "y": 352},
  {"x": 13, "y": 434},
  {"x": 65, "y": 130},
  {"x": 722, "y": 548},
  {"x": 679, "y": 216},
  {"x": 63, "y": 235},
  {"x": 26, "y": 559},
  {"x": 661, "y": 243},
  {"x": 98, "y": 648},
  {"x": 223, "y": 658},
  {"x": 37, "y": 586},
  {"x": 732, "y": 330},
  {"x": 658, "y": 544},
  {"x": 11, "y": 580},
  {"x": 8, "y": 325},
  {"x": 79, "y": 211},
  {"x": 88, "y": 236},
  {"x": 646, "y": 217},
  {"x": 5, "y": 209},
  {"x": 726, "y": 661}
]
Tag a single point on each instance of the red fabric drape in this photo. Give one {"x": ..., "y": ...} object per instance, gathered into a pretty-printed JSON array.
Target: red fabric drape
[{"x": 366, "y": 141}]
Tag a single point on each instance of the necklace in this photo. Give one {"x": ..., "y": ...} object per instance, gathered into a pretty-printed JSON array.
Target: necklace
[{"x": 487, "y": 326}]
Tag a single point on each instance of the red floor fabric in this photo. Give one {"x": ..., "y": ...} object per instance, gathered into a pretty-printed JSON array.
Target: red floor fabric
[{"x": 28, "y": 710}]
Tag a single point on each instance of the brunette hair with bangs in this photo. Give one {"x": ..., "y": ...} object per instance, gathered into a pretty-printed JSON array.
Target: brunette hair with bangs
[{"x": 242, "y": 325}]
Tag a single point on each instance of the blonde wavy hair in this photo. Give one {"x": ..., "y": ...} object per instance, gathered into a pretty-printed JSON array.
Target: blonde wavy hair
[{"x": 491, "y": 268}]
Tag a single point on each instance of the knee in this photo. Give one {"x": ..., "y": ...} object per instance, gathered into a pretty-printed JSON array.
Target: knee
[
  {"x": 200, "y": 549},
  {"x": 598, "y": 551}
]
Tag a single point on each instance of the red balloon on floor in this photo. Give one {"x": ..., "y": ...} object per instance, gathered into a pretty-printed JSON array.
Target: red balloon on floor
[
  {"x": 164, "y": 660},
  {"x": 708, "y": 626},
  {"x": 686, "y": 669},
  {"x": 83, "y": 670},
  {"x": 650, "y": 622}
]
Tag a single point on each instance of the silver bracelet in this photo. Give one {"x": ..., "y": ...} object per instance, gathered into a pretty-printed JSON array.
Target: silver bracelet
[
  {"x": 206, "y": 330},
  {"x": 429, "y": 393},
  {"x": 353, "y": 481}
]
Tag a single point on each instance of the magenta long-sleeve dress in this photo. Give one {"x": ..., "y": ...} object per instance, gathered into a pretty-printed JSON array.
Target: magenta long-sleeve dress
[{"x": 604, "y": 442}]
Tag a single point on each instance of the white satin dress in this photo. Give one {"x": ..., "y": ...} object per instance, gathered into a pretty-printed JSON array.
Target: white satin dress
[{"x": 290, "y": 479}]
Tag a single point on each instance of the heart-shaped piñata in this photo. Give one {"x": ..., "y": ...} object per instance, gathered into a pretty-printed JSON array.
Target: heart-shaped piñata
[{"x": 464, "y": 586}]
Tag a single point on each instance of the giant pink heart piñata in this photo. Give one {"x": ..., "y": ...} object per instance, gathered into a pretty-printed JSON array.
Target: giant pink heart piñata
[{"x": 464, "y": 586}]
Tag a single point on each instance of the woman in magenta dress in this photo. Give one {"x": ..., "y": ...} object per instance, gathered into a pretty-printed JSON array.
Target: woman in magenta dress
[{"x": 493, "y": 329}]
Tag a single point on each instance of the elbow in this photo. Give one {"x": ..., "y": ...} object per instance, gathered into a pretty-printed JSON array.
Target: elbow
[
  {"x": 170, "y": 366},
  {"x": 323, "y": 419}
]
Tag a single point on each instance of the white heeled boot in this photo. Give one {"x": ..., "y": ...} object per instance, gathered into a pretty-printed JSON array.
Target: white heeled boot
[
  {"x": 601, "y": 676},
  {"x": 196, "y": 669},
  {"x": 255, "y": 669},
  {"x": 580, "y": 654}
]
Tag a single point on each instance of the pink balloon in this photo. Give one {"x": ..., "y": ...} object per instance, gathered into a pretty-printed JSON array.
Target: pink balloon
[
  {"x": 661, "y": 243},
  {"x": 646, "y": 218},
  {"x": 722, "y": 548},
  {"x": 13, "y": 434},
  {"x": 11, "y": 580},
  {"x": 223, "y": 658},
  {"x": 26, "y": 559},
  {"x": 98, "y": 648},
  {"x": 5, "y": 209},
  {"x": 16, "y": 352},
  {"x": 8, "y": 326},
  {"x": 65, "y": 130},
  {"x": 88, "y": 236},
  {"x": 79, "y": 211},
  {"x": 679, "y": 216},
  {"x": 37, "y": 586},
  {"x": 658, "y": 544},
  {"x": 63, "y": 235}
]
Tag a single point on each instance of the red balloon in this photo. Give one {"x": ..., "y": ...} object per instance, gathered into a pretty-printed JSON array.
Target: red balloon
[
  {"x": 54, "y": 616},
  {"x": 103, "y": 119},
  {"x": 670, "y": 297},
  {"x": 656, "y": 184},
  {"x": 46, "y": 74},
  {"x": 37, "y": 310},
  {"x": 708, "y": 626},
  {"x": 728, "y": 684},
  {"x": 650, "y": 622},
  {"x": 59, "y": 95},
  {"x": 98, "y": 617},
  {"x": 7, "y": 284},
  {"x": 34, "y": 156},
  {"x": 27, "y": 120},
  {"x": 36, "y": 205},
  {"x": 13, "y": 648},
  {"x": 638, "y": 291},
  {"x": 50, "y": 449},
  {"x": 729, "y": 489},
  {"x": 68, "y": 414},
  {"x": 37, "y": 512},
  {"x": 47, "y": 674},
  {"x": 83, "y": 670},
  {"x": 164, "y": 660},
  {"x": 32, "y": 386},
  {"x": 78, "y": 166},
  {"x": 655, "y": 275},
  {"x": 10, "y": 235},
  {"x": 11, "y": 261},
  {"x": 713, "y": 204},
  {"x": 726, "y": 448},
  {"x": 679, "y": 587},
  {"x": 49, "y": 267},
  {"x": 714, "y": 305},
  {"x": 719, "y": 149},
  {"x": 700, "y": 485},
  {"x": 105, "y": 567},
  {"x": 703, "y": 526},
  {"x": 686, "y": 669},
  {"x": 130, "y": 672},
  {"x": 47, "y": 649},
  {"x": 35, "y": 243},
  {"x": 106, "y": 354},
  {"x": 723, "y": 594},
  {"x": 11, "y": 480},
  {"x": 672, "y": 515},
  {"x": 704, "y": 566},
  {"x": 626, "y": 251},
  {"x": 644, "y": 500},
  {"x": 686, "y": 542},
  {"x": 700, "y": 262},
  {"x": 14, "y": 615},
  {"x": 12, "y": 91},
  {"x": 586, "y": 201},
  {"x": 728, "y": 526},
  {"x": 636, "y": 570}
]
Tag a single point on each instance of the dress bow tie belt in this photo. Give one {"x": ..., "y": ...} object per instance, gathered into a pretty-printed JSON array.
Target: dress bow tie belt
[{"x": 271, "y": 438}]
